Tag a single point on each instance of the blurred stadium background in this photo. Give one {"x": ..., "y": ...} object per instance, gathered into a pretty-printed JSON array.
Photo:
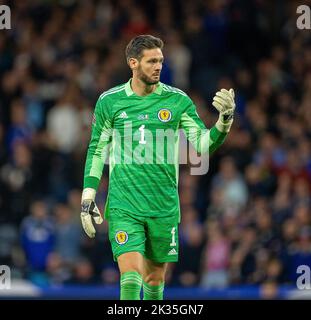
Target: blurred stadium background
[{"x": 246, "y": 225}]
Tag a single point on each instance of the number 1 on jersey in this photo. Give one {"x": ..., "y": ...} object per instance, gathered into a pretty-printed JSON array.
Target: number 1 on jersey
[
  {"x": 142, "y": 134},
  {"x": 173, "y": 243}
]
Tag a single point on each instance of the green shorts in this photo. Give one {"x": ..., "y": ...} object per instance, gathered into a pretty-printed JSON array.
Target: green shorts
[{"x": 155, "y": 238}]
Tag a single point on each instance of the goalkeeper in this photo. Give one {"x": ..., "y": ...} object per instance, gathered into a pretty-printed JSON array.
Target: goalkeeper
[{"x": 142, "y": 206}]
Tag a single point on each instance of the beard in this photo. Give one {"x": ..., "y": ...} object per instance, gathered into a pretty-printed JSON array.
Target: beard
[{"x": 144, "y": 78}]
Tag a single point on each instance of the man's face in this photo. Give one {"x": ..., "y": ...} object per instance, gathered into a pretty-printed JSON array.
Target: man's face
[{"x": 149, "y": 67}]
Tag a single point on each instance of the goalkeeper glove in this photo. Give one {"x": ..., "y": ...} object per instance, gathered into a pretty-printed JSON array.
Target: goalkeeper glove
[
  {"x": 89, "y": 210},
  {"x": 224, "y": 103}
]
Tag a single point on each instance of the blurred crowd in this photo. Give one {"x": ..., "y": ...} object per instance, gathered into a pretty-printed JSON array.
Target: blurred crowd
[{"x": 247, "y": 221}]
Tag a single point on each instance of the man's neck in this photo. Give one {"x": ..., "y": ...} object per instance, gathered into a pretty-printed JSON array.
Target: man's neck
[{"x": 140, "y": 88}]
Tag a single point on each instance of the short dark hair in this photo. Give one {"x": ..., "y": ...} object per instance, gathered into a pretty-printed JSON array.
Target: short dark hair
[{"x": 136, "y": 46}]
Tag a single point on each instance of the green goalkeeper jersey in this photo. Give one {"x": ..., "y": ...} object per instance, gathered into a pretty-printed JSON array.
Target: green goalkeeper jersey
[{"x": 141, "y": 136}]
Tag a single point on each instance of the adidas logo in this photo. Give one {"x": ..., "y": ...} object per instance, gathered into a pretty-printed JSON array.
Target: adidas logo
[
  {"x": 172, "y": 252},
  {"x": 123, "y": 115}
]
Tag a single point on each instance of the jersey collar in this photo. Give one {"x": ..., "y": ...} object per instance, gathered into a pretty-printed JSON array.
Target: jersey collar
[{"x": 129, "y": 90}]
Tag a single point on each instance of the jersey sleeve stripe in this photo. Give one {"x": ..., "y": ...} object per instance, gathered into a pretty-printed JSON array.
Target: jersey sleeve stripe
[
  {"x": 172, "y": 89},
  {"x": 111, "y": 91}
]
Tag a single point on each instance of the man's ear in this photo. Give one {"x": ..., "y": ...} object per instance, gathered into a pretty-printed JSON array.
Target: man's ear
[{"x": 133, "y": 63}]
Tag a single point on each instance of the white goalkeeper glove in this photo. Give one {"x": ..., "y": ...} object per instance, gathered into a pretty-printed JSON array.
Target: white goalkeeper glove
[
  {"x": 224, "y": 103},
  {"x": 89, "y": 210}
]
